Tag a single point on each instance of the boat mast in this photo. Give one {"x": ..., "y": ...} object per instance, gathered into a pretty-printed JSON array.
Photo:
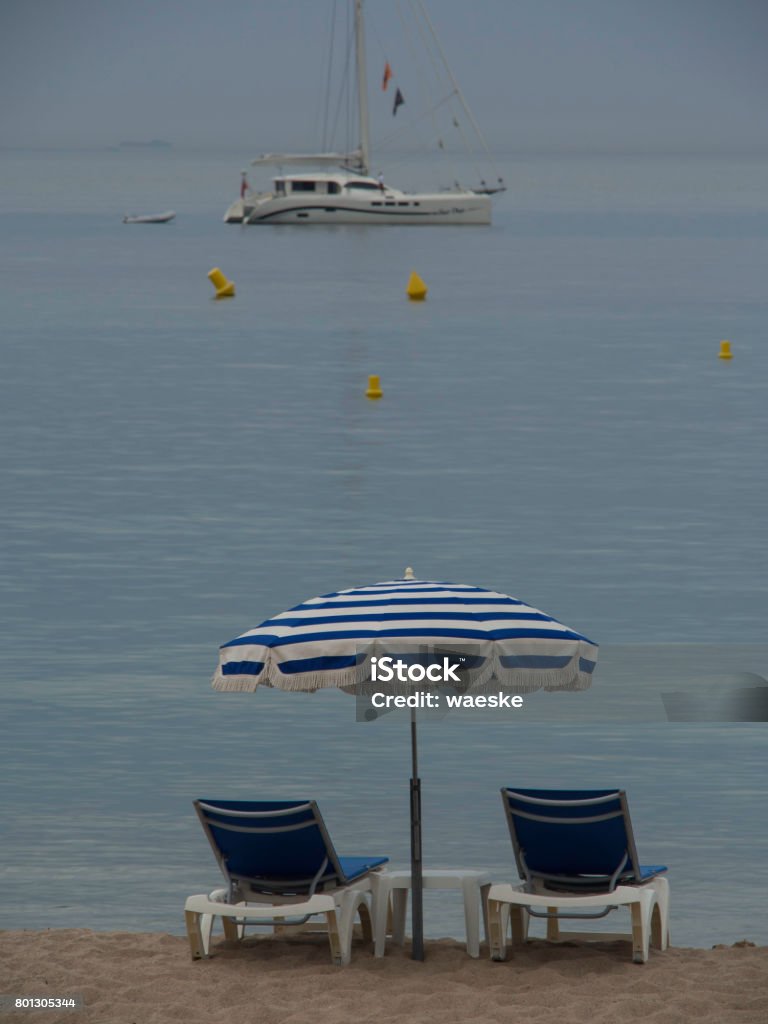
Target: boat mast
[{"x": 362, "y": 89}]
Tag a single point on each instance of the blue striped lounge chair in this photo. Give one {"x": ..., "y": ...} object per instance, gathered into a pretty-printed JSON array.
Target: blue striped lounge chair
[
  {"x": 281, "y": 869},
  {"x": 576, "y": 855}
]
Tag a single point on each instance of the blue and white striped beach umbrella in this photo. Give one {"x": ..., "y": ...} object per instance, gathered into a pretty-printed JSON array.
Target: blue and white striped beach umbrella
[{"x": 329, "y": 641}]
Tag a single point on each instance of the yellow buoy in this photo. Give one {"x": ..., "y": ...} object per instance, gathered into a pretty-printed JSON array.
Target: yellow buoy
[
  {"x": 374, "y": 388},
  {"x": 224, "y": 289},
  {"x": 416, "y": 290},
  {"x": 725, "y": 350}
]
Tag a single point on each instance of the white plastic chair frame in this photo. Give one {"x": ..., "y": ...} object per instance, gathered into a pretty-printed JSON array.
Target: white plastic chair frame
[
  {"x": 340, "y": 908},
  {"x": 648, "y": 905}
]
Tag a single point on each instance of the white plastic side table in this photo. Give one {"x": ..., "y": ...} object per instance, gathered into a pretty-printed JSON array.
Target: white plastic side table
[{"x": 393, "y": 886}]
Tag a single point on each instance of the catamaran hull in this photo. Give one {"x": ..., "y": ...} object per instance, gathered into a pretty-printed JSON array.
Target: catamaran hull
[{"x": 459, "y": 208}]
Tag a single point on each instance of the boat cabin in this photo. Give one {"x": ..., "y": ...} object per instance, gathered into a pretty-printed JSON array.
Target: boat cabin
[{"x": 324, "y": 184}]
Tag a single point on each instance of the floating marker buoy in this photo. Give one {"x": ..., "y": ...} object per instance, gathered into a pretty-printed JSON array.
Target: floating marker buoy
[
  {"x": 224, "y": 289},
  {"x": 374, "y": 388},
  {"x": 725, "y": 350},
  {"x": 416, "y": 290}
]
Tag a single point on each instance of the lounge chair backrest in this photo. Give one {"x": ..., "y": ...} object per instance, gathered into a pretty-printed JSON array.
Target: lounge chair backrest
[
  {"x": 567, "y": 835},
  {"x": 275, "y": 846}
]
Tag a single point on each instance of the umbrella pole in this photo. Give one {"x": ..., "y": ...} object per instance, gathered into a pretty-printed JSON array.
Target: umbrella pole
[{"x": 417, "y": 888}]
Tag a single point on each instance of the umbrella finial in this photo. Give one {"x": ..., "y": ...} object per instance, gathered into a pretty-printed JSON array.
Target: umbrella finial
[{"x": 408, "y": 574}]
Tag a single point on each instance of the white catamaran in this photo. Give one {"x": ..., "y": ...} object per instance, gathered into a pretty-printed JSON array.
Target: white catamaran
[{"x": 349, "y": 194}]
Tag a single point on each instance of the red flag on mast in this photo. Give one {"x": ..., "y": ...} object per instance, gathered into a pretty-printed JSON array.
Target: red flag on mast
[{"x": 387, "y": 76}]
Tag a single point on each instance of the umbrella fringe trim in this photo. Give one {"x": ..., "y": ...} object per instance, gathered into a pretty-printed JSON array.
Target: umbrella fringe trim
[
  {"x": 521, "y": 680},
  {"x": 235, "y": 684}
]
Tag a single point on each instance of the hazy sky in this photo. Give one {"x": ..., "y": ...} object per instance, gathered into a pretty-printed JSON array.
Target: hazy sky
[{"x": 246, "y": 74}]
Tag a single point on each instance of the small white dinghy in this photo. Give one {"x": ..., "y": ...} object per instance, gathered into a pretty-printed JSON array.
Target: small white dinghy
[{"x": 149, "y": 218}]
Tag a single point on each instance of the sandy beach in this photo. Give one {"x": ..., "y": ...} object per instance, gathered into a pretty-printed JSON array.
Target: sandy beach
[{"x": 138, "y": 978}]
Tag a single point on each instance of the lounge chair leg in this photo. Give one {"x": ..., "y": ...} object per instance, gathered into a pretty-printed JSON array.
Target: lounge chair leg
[
  {"x": 484, "y": 890},
  {"x": 657, "y": 930},
  {"x": 661, "y": 887},
  {"x": 350, "y": 904},
  {"x": 472, "y": 917},
  {"x": 553, "y": 926},
  {"x": 334, "y": 937},
  {"x": 637, "y": 933},
  {"x": 206, "y": 928},
  {"x": 196, "y": 945},
  {"x": 381, "y": 908},
  {"x": 231, "y": 931},
  {"x": 382, "y": 918},
  {"x": 399, "y": 909},
  {"x": 497, "y": 930},
  {"x": 641, "y": 920},
  {"x": 364, "y": 913}
]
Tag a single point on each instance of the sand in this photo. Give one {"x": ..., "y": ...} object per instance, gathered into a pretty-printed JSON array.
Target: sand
[{"x": 136, "y": 978}]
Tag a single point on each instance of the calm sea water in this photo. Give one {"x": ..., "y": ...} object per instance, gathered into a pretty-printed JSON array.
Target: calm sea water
[{"x": 555, "y": 424}]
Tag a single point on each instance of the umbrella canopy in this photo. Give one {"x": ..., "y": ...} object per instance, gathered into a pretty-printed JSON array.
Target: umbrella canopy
[{"x": 329, "y": 641}]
